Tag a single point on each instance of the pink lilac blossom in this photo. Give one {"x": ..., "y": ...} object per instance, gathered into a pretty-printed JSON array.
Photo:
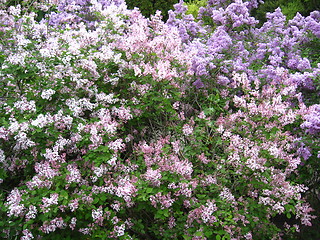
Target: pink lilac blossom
[
  {"x": 52, "y": 225},
  {"x": 14, "y": 126},
  {"x": 97, "y": 215},
  {"x": 303, "y": 212},
  {"x": 52, "y": 155},
  {"x": 113, "y": 160},
  {"x": 36, "y": 182},
  {"x": 207, "y": 211},
  {"x": 122, "y": 112},
  {"x": 23, "y": 141},
  {"x": 73, "y": 205},
  {"x": 116, "y": 206},
  {"x": 183, "y": 168},
  {"x": 45, "y": 170},
  {"x": 208, "y": 180},
  {"x": 47, "y": 202},
  {"x": 61, "y": 121},
  {"x": 125, "y": 189},
  {"x": 15, "y": 207},
  {"x": 100, "y": 171},
  {"x": 117, "y": 145},
  {"x": 187, "y": 129},
  {"x": 164, "y": 200},
  {"x": 2, "y": 156},
  {"x": 153, "y": 176},
  {"x": 62, "y": 143},
  {"x": 172, "y": 223},
  {"x": 203, "y": 158},
  {"x": 74, "y": 174},
  {"x": 58, "y": 222},
  {"x": 73, "y": 223},
  {"x": 185, "y": 189},
  {"x": 27, "y": 235},
  {"x": 176, "y": 146},
  {"x": 119, "y": 230},
  {"x": 227, "y": 195},
  {"x": 85, "y": 231},
  {"x": 95, "y": 138},
  {"x": 79, "y": 106},
  {"x": 25, "y": 105},
  {"x": 248, "y": 236}
]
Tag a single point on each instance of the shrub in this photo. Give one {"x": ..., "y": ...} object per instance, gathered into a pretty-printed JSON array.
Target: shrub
[{"x": 118, "y": 126}]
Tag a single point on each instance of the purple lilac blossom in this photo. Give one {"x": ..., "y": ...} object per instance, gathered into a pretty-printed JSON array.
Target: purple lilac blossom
[{"x": 312, "y": 120}]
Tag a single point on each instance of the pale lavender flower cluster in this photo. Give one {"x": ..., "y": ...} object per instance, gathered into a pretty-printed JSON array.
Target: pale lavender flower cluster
[
  {"x": 27, "y": 235},
  {"x": 72, "y": 12},
  {"x": 53, "y": 225},
  {"x": 312, "y": 120},
  {"x": 15, "y": 207},
  {"x": 229, "y": 46},
  {"x": 234, "y": 15},
  {"x": 47, "y": 202},
  {"x": 188, "y": 28},
  {"x": 153, "y": 176}
]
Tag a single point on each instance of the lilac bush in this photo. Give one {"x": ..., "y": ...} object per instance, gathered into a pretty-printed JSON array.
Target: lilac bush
[{"x": 115, "y": 126}]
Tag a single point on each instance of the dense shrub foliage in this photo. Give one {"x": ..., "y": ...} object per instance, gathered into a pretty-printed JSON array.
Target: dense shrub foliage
[
  {"x": 289, "y": 8},
  {"x": 118, "y": 126},
  {"x": 149, "y": 7}
]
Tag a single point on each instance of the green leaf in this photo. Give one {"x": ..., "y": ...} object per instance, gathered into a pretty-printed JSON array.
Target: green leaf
[
  {"x": 186, "y": 237},
  {"x": 64, "y": 194},
  {"x": 208, "y": 233},
  {"x": 162, "y": 214},
  {"x": 149, "y": 190},
  {"x": 166, "y": 212},
  {"x": 103, "y": 197},
  {"x": 218, "y": 237}
]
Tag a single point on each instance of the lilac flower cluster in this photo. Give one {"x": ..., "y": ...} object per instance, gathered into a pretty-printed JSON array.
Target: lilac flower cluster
[
  {"x": 312, "y": 120},
  {"x": 229, "y": 45},
  {"x": 75, "y": 12}
]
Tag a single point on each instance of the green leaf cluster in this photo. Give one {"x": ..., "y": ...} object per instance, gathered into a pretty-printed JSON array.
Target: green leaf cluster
[{"x": 149, "y": 7}]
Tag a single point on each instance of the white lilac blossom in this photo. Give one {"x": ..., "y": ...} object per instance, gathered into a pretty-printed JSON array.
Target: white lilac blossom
[
  {"x": 187, "y": 129},
  {"x": 119, "y": 230},
  {"x": 97, "y": 214},
  {"x": 25, "y": 105},
  {"x": 47, "y": 94},
  {"x": 2, "y": 156},
  {"x": 32, "y": 212},
  {"x": 42, "y": 120}
]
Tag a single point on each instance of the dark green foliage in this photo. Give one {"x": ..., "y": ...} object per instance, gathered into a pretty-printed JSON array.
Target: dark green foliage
[
  {"x": 24, "y": 3},
  {"x": 288, "y": 7},
  {"x": 149, "y": 7},
  {"x": 26, "y": 6}
]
